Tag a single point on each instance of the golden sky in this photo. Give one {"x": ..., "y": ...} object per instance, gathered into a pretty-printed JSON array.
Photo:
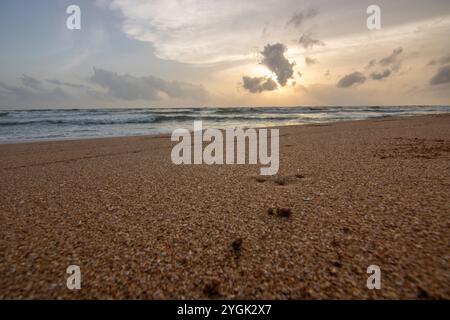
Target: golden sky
[{"x": 132, "y": 53}]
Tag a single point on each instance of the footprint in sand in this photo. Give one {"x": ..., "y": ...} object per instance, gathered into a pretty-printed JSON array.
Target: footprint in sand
[{"x": 280, "y": 180}]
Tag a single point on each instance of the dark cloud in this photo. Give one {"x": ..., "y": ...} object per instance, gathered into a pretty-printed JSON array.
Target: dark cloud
[
  {"x": 258, "y": 84},
  {"x": 33, "y": 93},
  {"x": 38, "y": 85},
  {"x": 29, "y": 96},
  {"x": 442, "y": 76},
  {"x": 351, "y": 79},
  {"x": 392, "y": 60},
  {"x": 390, "y": 63},
  {"x": 299, "y": 17},
  {"x": 380, "y": 75},
  {"x": 443, "y": 60},
  {"x": 31, "y": 82},
  {"x": 309, "y": 61},
  {"x": 274, "y": 59},
  {"x": 68, "y": 84},
  {"x": 127, "y": 87},
  {"x": 307, "y": 42}
]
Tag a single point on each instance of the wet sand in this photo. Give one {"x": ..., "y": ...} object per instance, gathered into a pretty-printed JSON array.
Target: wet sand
[{"x": 357, "y": 194}]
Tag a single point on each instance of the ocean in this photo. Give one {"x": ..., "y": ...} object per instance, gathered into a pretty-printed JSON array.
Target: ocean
[{"x": 61, "y": 124}]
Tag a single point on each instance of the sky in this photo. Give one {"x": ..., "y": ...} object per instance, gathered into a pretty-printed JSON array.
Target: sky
[{"x": 227, "y": 53}]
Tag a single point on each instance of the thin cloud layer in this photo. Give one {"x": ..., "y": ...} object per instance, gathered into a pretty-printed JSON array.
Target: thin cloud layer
[
  {"x": 310, "y": 61},
  {"x": 65, "y": 83},
  {"x": 370, "y": 64},
  {"x": 258, "y": 84},
  {"x": 307, "y": 41},
  {"x": 118, "y": 87},
  {"x": 31, "y": 82},
  {"x": 26, "y": 94},
  {"x": 299, "y": 17},
  {"x": 351, "y": 79},
  {"x": 275, "y": 61},
  {"x": 127, "y": 87},
  {"x": 442, "y": 60},
  {"x": 392, "y": 60}
]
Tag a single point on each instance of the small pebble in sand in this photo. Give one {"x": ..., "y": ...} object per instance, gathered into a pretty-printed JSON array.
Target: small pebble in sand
[
  {"x": 211, "y": 289},
  {"x": 284, "y": 212},
  {"x": 280, "y": 181},
  {"x": 260, "y": 179},
  {"x": 280, "y": 212},
  {"x": 237, "y": 245}
]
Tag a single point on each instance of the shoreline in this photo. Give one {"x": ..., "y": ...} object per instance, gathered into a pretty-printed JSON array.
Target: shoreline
[
  {"x": 359, "y": 193},
  {"x": 162, "y": 135}
]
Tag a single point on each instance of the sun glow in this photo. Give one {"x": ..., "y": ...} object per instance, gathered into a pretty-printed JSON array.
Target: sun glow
[{"x": 261, "y": 71}]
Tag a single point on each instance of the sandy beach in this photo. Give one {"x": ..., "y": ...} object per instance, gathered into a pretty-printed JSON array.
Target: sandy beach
[{"x": 372, "y": 192}]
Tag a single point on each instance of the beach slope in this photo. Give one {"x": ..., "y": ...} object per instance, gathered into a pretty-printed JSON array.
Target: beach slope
[{"x": 372, "y": 192}]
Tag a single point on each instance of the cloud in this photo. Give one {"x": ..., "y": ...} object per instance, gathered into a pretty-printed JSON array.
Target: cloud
[
  {"x": 392, "y": 60},
  {"x": 443, "y": 60},
  {"x": 31, "y": 97},
  {"x": 307, "y": 42},
  {"x": 274, "y": 59},
  {"x": 31, "y": 82},
  {"x": 32, "y": 93},
  {"x": 370, "y": 64},
  {"x": 309, "y": 61},
  {"x": 351, "y": 79},
  {"x": 442, "y": 76},
  {"x": 68, "y": 84},
  {"x": 390, "y": 63},
  {"x": 299, "y": 17},
  {"x": 13, "y": 90},
  {"x": 127, "y": 87},
  {"x": 218, "y": 31},
  {"x": 258, "y": 84},
  {"x": 380, "y": 75}
]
